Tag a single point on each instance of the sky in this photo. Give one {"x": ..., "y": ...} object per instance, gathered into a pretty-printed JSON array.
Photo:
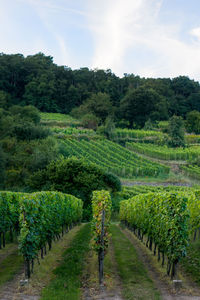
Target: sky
[{"x": 149, "y": 38}]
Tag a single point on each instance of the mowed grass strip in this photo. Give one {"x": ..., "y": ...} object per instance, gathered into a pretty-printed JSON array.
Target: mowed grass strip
[
  {"x": 67, "y": 281},
  {"x": 10, "y": 266},
  {"x": 191, "y": 263},
  {"x": 136, "y": 283}
]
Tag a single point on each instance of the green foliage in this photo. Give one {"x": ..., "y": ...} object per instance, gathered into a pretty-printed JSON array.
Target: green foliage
[
  {"x": 74, "y": 176},
  {"x": 23, "y": 158},
  {"x": 176, "y": 132},
  {"x": 37, "y": 80},
  {"x": 193, "y": 122},
  {"x": 5, "y": 100},
  {"x": 2, "y": 165},
  {"x": 191, "y": 263},
  {"x": 108, "y": 129},
  {"x": 192, "y": 170},
  {"x": 29, "y": 132},
  {"x": 164, "y": 152},
  {"x": 42, "y": 217},
  {"x": 163, "y": 217},
  {"x": 149, "y": 125},
  {"x": 26, "y": 113},
  {"x": 128, "y": 134},
  {"x": 90, "y": 121},
  {"x": 101, "y": 204},
  {"x": 9, "y": 212},
  {"x": 114, "y": 158},
  {"x": 98, "y": 105},
  {"x": 131, "y": 191},
  {"x": 142, "y": 104}
]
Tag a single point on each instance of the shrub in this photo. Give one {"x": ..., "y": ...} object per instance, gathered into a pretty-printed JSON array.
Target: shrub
[{"x": 76, "y": 177}]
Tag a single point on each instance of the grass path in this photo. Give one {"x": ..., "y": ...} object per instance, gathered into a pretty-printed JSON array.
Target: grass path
[
  {"x": 158, "y": 274},
  {"x": 43, "y": 273},
  {"x": 136, "y": 283},
  {"x": 70, "y": 271},
  {"x": 67, "y": 281},
  {"x": 10, "y": 263},
  {"x": 112, "y": 289}
]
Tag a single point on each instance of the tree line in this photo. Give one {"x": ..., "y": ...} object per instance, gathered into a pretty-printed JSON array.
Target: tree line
[{"x": 130, "y": 100}]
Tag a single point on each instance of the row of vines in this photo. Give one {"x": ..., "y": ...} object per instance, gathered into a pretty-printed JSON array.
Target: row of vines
[
  {"x": 39, "y": 219},
  {"x": 101, "y": 209},
  {"x": 163, "y": 152},
  {"x": 113, "y": 158},
  {"x": 131, "y": 191},
  {"x": 191, "y": 171},
  {"x": 167, "y": 219}
]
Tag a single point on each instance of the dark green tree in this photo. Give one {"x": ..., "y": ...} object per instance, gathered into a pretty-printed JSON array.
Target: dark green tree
[
  {"x": 193, "y": 122},
  {"x": 142, "y": 104},
  {"x": 176, "y": 132},
  {"x": 76, "y": 177}
]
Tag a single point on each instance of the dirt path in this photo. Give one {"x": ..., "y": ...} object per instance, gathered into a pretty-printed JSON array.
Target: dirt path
[
  {"x": 12, "y": 290},
  {"x": 132, "y": 183},
  {"x": 167, "y": 292}
]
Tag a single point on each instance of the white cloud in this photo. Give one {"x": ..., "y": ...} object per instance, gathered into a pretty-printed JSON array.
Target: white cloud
[
  {"x": 116, "y": 26},
  {"x": 196, "y": 32},
  {"x": 123, "y": 26}
]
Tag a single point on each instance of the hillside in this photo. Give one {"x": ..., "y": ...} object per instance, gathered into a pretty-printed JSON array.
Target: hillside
[{"x": 143, "y": 164}]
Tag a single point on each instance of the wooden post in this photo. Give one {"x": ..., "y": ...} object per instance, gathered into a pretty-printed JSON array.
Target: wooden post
[
  {"x": 4, "y": 239},
  {"x": 101, "y": 250},
  {"x": 27, "y": 269}
]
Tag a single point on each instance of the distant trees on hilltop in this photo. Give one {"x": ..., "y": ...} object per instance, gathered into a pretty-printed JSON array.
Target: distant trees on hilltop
[{"x": 36, "y": 80}]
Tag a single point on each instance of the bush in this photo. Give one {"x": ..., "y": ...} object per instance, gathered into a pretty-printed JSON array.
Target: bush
[
  {"x": 193, "y": 122},
  {"x": 28, "y": 131},
  {"x": 76, "y": 177},
  {"x": 176, "y": 132},
  {"x": 90, "y": 121}
]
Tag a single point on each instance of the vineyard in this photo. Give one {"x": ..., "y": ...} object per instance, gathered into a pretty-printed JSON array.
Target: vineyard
[
  {"x": 129, "y": 192},
  {"x": 39, "y": 218},
  {"x": 163, "y": 152},
  {"x": 57, "y": 119},
  {"x": 192, "y": 171},
  {"x": 135, "y": 133},
  {"x": 167, "y": 219},
  {"x": 70, "y": 131},
  {"x": 62, "y": 258},
  {"x": 114, "y": 158}
]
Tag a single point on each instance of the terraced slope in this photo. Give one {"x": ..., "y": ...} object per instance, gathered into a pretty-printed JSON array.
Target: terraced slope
[{"x": 114, "y": 158}]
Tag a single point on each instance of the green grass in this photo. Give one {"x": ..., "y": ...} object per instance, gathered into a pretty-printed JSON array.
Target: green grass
[
  {"x": 136, "y": 283},
  {"x": 191, "y": 263},
  {"x": 67, "y": 281},
  {"x": 56, "y": 117},
  {"x": 10, "y": 266}
]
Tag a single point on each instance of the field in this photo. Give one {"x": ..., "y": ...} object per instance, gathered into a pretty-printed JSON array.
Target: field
[
  {"x": 114, "y": 158},
  {"x": 57, "y": 119},
  {"x": 164, "y": 152},
  {"x": 43, "y": 231}
]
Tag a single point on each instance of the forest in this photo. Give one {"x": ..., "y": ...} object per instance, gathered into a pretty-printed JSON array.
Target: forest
[{"x": 94, "y": 94}]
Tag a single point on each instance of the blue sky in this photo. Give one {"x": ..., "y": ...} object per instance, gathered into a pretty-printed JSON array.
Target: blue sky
[{"x": 150, "y": 38}]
